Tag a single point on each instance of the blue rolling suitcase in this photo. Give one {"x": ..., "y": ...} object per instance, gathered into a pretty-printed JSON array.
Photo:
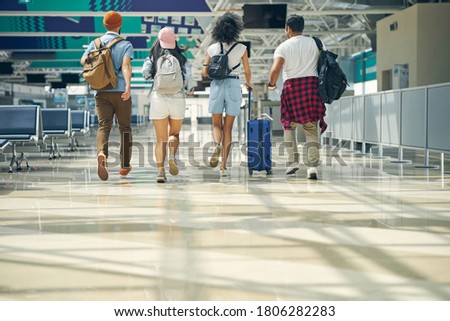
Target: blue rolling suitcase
[{"x": 259, "y": 144}]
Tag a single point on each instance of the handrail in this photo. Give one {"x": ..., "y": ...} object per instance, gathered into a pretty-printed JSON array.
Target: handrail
[{"x": 414, "y": 118}]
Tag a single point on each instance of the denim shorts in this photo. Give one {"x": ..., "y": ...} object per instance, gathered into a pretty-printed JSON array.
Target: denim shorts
[{"x": 225, "y": 96}]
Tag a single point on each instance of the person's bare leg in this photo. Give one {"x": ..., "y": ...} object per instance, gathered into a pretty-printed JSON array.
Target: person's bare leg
[
  {"x": 174, "y": 142},
  {"x": 161, "y": 129},
  {"x": 217, "y": 123},
  {"x": 226, "y": 141}
]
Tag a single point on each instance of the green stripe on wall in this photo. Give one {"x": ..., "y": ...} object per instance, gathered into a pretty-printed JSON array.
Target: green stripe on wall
[
  {"x": 71, "y": 64},
  {"x": 52, "y": 5}
]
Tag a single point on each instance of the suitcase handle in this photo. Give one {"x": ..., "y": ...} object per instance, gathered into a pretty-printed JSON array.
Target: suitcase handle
[
  {"x": 249, "y": 103},
  {"x": 265, "y": 116}
]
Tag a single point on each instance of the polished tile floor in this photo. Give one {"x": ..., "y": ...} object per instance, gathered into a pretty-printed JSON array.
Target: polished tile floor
[{"x": 368, "y": 229}]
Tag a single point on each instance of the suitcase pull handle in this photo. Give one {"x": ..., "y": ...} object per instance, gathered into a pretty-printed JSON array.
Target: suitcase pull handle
[{"x": 265, "y": 116}]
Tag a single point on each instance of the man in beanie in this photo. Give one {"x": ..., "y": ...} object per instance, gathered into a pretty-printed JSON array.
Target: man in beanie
[{"x": 116, "y": 101}]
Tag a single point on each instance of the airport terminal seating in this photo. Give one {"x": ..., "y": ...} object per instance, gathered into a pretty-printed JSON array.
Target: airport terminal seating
[
  {"x": 137, "y": 121},
  {"x": 93, "y": 120},
  {"x": 3, "y": 144},
  {"x": 20, "y": 125},
  {"x": 56, "y": 123},
  {"x": 80, "y": 127}
]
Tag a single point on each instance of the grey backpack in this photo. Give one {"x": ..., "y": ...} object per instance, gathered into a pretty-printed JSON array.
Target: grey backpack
[{"x": 168, "y": 78}]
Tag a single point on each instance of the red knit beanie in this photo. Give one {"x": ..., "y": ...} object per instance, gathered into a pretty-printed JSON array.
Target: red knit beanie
[{"x": 112, "y": 20}]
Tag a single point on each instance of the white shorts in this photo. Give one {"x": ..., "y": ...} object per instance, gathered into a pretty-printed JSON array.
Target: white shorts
[{"x": 163, "y": 106}]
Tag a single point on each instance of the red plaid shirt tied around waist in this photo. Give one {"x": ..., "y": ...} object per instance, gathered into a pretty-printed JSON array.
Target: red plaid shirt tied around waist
[{"x": 301, "y": 103}]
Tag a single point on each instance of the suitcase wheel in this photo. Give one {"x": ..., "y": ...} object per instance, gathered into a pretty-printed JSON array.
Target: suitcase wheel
[
  {"x": 269, "y": 171},
  {"x": 250, "y": 171}
]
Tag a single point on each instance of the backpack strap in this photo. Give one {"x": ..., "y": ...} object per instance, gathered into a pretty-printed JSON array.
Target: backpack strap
[
  {"x": 229, "y": 50},
  {"x": 114, "y": 41},
  {"x": 232, "y": 47},
  {"x": 320, "y": 47},
  {"x": 163, "y": 57},
  {"x": 98, "y": 43},
  {"x": 318, "y": 43}
]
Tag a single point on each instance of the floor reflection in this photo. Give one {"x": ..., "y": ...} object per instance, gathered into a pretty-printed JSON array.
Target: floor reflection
[{"x": 367, "y": 230}]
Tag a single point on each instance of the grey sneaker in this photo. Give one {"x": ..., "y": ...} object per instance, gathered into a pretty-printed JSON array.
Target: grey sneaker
[
  {"x": 224, "y": 172},
  {"x": 173, "y": 167},
  {"x": 161, "y": 177},
  {"x": 292, "y": 168},
  {"x": 312, "y": 173}
]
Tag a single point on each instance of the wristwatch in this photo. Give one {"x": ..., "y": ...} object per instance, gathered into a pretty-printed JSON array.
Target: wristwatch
[{"x": 270, "y": 86}]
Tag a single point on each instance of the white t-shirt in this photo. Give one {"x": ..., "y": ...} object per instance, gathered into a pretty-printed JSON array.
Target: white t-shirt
[
  {"x": 234, "y": 57},
  {"x": 300, "y": 55}
]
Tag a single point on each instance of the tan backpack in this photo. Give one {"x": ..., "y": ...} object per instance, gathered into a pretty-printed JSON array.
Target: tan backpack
[{"x": 98, "y": 71}]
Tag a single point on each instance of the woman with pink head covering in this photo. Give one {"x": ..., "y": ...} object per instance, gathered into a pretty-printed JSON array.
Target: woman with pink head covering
[{"x": 167, "y": 109}]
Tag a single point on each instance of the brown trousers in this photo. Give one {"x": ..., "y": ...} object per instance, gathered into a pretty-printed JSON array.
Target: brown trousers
[{"x": 109, "y": 104}]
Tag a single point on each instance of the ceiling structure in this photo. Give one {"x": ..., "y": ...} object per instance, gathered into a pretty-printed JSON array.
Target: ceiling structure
[{"x": 49, "y": 37}]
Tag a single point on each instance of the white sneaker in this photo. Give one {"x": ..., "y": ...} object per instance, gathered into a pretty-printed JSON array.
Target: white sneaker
[
  {"x": 292, "y": 168},
  {"x": 312, "y": 173},
  {"x": 224, "y": 172}
]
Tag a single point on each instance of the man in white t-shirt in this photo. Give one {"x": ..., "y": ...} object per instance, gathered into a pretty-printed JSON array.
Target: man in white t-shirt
[{"x": 300, "y": 100}]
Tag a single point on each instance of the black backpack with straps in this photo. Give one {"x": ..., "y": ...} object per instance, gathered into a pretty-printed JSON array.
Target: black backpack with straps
[
  {"x": 332, "y": 80},
  {"x": 218, "y": 67}
]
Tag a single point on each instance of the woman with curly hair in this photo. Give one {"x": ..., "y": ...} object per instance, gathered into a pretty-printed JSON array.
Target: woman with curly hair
[{"x": 225, "y": 94}]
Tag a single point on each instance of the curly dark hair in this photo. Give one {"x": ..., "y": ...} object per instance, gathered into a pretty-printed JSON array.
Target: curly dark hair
[{"x": 228, "y": 28}]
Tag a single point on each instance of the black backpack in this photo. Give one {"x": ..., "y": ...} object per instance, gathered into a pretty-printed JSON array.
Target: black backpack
[
  {"x": 332, "y": 80},
  {"x": 218, "y": 66}
]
